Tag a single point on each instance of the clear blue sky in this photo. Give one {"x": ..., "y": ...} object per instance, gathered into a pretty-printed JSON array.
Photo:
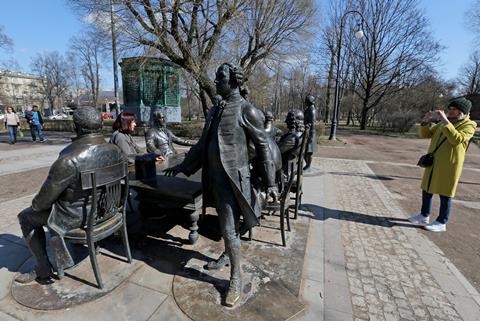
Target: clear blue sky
[{"x": 47, "y": 25}]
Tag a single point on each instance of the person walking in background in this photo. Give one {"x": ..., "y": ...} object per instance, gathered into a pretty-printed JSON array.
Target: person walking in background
[
  {"x": 449, "y": 143},
  {"x": 35, "y": 120},
  {"x": 11, "y": 123}
]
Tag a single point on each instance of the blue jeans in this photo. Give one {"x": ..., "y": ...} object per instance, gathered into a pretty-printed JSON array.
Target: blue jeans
[
  {"x": 38, "y": 130},
  {"x": 12, "y": 133},
  {"x": 445, "y": 206}
]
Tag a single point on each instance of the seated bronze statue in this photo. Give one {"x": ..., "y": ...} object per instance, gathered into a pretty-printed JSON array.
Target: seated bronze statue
[
  {"x": 61, "y": 203},
  {"x": 160, "y": 139},
  {"x": 271, "y": 130},
  {"x": 289, "y": 143}
]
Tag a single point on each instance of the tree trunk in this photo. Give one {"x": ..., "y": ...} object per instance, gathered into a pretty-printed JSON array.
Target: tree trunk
[
  {"x": 204, "y": 101},
  {"x": 328, "y": 96},
  {"x": 364, "y": 118}
]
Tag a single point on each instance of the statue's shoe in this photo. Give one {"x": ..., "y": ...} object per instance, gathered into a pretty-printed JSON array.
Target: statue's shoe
[
  {"x": 234, "y": 292},
  {"x": 26, "y": 278},
  {"x": 222, "y": 261}
]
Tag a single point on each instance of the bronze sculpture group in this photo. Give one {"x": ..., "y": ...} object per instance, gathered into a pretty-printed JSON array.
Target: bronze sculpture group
[{"x": 240, "y": 153}]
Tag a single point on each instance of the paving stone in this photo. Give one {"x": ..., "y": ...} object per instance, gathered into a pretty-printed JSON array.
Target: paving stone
[{"x": 168, "y": 311}]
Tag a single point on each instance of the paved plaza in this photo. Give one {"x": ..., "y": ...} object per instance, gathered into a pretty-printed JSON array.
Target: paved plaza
[{"x": 362, "y": 261}]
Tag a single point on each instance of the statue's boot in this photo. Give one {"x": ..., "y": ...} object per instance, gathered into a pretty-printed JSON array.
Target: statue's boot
[
  {"x": 234, "y": 291},
  {"x": 43, "y": 269},
  {"x": 219, "y": 263},
  {"x": 308, "y": 161}
]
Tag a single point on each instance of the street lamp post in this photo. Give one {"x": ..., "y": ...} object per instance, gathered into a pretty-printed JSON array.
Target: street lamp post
[
  {"x": 358, "y": 35},
  {"x": 114, "y": 56}
]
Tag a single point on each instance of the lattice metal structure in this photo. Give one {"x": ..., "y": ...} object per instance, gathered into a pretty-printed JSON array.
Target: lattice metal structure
[{"x": 150, "y": 84}]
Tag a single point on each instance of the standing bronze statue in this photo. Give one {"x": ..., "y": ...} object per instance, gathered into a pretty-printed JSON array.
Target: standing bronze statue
[
  {"x": 310, "y": 118},
  {"x": 159, "y": 139},
  {"x": 222, "y": 153},
  {"x": 61, "y": 203}
]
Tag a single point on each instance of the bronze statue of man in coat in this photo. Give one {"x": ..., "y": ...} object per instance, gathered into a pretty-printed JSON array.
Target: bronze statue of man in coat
[
  {"x": 159, "y": 139},
  {"x": 222, "y": 153},
  {"x": 61, "y": 203}
]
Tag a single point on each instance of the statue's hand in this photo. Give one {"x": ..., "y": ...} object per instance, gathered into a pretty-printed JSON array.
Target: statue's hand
[
  {"x": 272, "y": 194},
  {"x": 173, "y": 171}
]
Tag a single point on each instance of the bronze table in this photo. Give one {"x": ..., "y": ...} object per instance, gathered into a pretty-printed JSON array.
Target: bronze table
[{"x": 172, "y": 192}]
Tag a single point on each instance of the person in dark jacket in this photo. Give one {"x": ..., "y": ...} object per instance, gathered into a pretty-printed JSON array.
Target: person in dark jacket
[
  {"x": 61, "y": 204},
  {"x": 222, "y": 153},
  {"x": 160, "y": 139},
  {"x": 35, "y": 120}
]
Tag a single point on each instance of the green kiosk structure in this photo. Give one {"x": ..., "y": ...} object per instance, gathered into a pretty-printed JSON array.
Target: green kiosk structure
[{"x": 149, "y": 84}]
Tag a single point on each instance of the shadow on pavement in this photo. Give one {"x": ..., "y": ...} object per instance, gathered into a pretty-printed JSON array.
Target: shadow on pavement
[
  {"x": 12, "y": 253},
  {"x": 322, "y": 214}
]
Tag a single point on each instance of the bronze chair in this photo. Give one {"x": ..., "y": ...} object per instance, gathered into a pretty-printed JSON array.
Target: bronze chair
[
  {"x": 108, "y": 188},
  {"x": 297, "y": 184}
]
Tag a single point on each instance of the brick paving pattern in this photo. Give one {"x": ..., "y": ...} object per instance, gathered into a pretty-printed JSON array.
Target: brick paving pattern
[{"x": 388, "y": 279}]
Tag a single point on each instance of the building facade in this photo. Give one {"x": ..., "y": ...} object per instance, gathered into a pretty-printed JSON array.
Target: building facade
[{"x": 20, "y": 90}]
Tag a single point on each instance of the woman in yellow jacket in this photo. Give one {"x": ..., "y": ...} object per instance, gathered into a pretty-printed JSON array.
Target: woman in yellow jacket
[{"x": 451, "y": 136}]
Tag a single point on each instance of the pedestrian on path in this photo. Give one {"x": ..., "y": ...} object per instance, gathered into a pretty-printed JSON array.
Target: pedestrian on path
[
  {"x": 11, "y": 123},
  {"x": 449, "y": 143},
  {"x": 35, "y": 120}
]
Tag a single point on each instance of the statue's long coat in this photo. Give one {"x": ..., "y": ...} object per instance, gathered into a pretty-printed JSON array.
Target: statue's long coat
[{"x": 239, "y": 123}]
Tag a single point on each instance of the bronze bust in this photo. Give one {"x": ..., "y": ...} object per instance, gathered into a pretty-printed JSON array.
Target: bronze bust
[
  {"x": 159, "y": 139},
  {"x": 222, "y": 153}
]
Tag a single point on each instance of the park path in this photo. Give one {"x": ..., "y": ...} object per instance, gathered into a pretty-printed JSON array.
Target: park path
[
  {"x": 376, "y": 265},
  {"x": 363, "y": 260}
]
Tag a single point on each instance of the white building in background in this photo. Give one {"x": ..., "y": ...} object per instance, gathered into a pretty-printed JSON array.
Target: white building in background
[{"x": 20, "y": 90}]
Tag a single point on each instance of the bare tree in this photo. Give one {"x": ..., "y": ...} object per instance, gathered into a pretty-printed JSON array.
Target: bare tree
[
  {"x": 53, "y": 68},
  {"x": 75, "y": 78},
  {"x": 87, "y": 49},
  {"x": 397, "y": 49},
  {"x": 6, "y": 43},
  {"x": 192, "y": 33},
  {"x": 470, "y": 75}
]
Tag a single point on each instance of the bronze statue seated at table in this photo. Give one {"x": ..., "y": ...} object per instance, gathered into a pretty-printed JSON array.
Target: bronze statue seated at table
[{"x": 160, "y": 139}]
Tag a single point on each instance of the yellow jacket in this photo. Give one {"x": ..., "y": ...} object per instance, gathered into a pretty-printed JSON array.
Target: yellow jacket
[{"x": 443, "y": 176}]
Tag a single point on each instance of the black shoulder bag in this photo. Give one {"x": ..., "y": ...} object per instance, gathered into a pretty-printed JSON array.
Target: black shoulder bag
[{"x": 427, "y": 159}]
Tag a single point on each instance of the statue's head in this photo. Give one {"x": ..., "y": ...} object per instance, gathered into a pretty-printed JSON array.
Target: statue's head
[
  {"x": 268, "y": 116},
  {"x": 228, "y": 79},
  {"x": 216, "y": 100},
  {"x": 159, "y": 118},
  {"x": 290, "y": 119},
  {"x": 87, "y": 120},
  {"x": 309, "y": 100},
  {"x": 299, "y": 120}
]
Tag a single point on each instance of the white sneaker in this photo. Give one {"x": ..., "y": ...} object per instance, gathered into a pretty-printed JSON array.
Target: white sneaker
[
  {"x": 436, "y": 227},
  {"x": 419, "y": 219}
]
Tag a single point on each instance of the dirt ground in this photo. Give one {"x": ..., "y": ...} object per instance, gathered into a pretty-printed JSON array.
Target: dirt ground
[{"x": 391, "y": 158}]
